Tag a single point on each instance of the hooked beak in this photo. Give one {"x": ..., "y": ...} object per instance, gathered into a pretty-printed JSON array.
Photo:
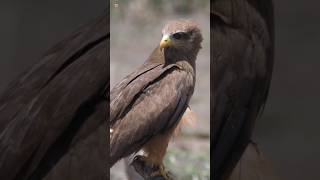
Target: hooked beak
[{"x": 165, "y": 42}]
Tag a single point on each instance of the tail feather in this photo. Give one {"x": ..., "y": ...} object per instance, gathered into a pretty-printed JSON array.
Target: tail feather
[{"x": 253, "y": 166}]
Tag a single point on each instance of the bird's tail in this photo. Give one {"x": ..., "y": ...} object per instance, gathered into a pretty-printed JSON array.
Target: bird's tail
[{"x": 253, "y": 166}]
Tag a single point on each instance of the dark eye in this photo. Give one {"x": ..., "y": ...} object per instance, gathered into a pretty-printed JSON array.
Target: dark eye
[{"x": 180, "y": 35}]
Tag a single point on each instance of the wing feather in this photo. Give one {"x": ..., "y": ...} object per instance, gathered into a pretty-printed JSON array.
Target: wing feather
[
  {"x": 242, "y": 61},
  {"x": 124, "y": 92},
  {"x": 54, "y": 108},
  {"x": 156, "y": 107}
]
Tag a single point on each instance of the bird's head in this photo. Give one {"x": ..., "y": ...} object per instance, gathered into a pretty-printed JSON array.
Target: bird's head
[{"x": 181, "y": 38}]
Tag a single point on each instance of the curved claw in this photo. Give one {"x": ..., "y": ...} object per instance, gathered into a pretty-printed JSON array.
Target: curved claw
[
  {"x": 161, "y": 173},
  {"x": 148, "y": 170}
]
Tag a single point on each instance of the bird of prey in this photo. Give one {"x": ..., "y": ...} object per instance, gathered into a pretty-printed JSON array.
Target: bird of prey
[
  {"x": 147, "y": 105},
  {"x": 241, "y": 68},
  {"x": 53, "y": 118}
]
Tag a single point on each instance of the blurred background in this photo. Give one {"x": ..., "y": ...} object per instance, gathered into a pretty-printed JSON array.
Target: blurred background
[
  {"x": 289, "y": 130},
  {"x": 135, "y": 31}
]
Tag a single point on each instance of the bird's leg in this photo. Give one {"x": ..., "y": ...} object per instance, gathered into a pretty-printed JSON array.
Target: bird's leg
[
  {"x": 150, "y": 171},
  {"x": 150, "y": 166}
]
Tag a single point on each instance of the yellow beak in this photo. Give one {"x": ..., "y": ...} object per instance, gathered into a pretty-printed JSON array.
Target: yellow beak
[{"x": 165, "y": 42}]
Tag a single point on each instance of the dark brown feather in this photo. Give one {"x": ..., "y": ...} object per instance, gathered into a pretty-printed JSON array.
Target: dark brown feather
[
  {"x": 242, "y": 60},
  {"x": 57, "y": 111}
]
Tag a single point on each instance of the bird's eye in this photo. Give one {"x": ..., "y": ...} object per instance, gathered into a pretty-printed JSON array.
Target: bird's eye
[
  {"x": 176, "y": 36},
  {"x": 180, "y": 35}
]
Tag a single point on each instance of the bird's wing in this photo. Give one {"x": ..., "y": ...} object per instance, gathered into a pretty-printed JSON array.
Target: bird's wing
[
  {"x": 242, "y": 58},
  {"x": 155, "y": 108},
  {"x": 120, "y": 95},
  {"x": 55, "y": 107}
]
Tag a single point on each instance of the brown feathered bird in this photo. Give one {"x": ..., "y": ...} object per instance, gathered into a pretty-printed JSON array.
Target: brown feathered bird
[
  {"x": 148, "y": 104},
  {"x": 53, "y": 118},
  {"x": 241, "y": 68}
]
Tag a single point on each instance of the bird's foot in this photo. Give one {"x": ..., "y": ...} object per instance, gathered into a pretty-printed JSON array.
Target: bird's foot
[
  {"x": 150, "y": 171},
  {"x": 161, "y": 172}
]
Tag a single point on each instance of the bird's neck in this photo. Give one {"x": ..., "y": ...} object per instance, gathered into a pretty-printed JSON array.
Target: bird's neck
[{"x": 183, "y": 60}]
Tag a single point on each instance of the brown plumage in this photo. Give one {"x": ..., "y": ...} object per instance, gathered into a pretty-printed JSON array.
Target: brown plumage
[
  {"x": 148, "y": 104},
  {"x": 241, "y": 68},
  {"x": 52, "y": 118}
]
